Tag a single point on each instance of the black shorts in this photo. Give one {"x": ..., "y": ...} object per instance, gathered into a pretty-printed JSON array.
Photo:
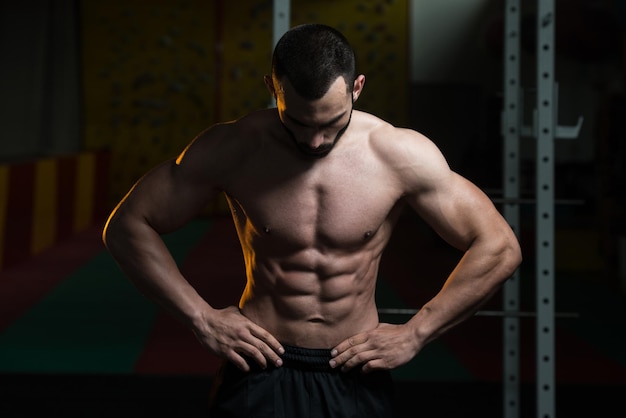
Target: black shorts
[{"x": 304, "y": 387}]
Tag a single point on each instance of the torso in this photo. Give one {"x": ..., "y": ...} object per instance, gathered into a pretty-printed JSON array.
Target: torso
[{"x": 312, "y": 231}]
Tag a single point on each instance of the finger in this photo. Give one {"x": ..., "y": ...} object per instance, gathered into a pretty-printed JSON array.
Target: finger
[
  {"x": 358, "y": 360},
  {"x": 348, "y": 344},
  {"x": 266, "y": 355},
  {"x": 268, "y": 339},
  {"x": 254, "y": 353},
  {"x": 238, "y": 361},
  {"x": 350, "y": 358},
  {"x": 268, "y": 346},
  {"x": 373, "y": 365},
  {"x": 347, "y": 349}
]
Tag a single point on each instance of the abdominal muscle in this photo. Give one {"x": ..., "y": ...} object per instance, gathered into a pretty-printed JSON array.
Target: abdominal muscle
[{"x": 315, "y": 308}]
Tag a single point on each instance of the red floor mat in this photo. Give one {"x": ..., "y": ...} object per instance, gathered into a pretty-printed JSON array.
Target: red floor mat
[
  {"x": 215, "y": 269},
  {"x": 24, "y": 284}
]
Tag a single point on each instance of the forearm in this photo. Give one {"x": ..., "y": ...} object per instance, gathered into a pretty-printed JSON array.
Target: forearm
[
  {"x": 144, "y": 258},
  {"x": 476, "y": 278}
]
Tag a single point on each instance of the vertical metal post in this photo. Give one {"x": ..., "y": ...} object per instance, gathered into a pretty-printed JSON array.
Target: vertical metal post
[
  {"x": 546, "y": 127},
  {"x": 511, "y": 127},
  {"x": 281, "y": 19}
]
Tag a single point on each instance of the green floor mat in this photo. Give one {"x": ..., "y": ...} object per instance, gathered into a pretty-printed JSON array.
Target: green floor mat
[{"x": 94, "y": 321}]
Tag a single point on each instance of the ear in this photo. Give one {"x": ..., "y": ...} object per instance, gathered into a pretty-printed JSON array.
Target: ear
[
  {"x": 269, "y": 83},
  {"x": 359, "y": 82}
]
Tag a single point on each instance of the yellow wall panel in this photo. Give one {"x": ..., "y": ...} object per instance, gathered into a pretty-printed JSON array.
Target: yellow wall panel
[
  {"x": 148, "y": 80},
  {"x": 45, "y": 205},
  {"x": 155, "y": 73},
  {"x": 84, "y": 196},
  {"x": 247, "y": 54},
  {"x": 378, "y": 32}
]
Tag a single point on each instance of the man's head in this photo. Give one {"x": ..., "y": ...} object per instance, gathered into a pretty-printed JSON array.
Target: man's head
[
  {"x": 311, "y": 57},
  {"x": 315, "y": 85}
]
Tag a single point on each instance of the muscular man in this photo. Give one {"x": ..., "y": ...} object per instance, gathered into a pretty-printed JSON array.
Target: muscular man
[{"x": 315, "y": 188}]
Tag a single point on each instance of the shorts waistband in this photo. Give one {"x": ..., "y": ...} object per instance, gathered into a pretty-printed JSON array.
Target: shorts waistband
[{"x": 313, "y": 359}]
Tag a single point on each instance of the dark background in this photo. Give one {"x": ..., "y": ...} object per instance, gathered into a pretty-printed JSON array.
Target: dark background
[{"x": 133, "y": 81}]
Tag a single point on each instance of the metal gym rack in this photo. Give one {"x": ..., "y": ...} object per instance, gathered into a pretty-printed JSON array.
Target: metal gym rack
[{"x": 545, "y": 130}]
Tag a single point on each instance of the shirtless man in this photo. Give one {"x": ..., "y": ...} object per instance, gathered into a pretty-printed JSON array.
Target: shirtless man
[{"x": 315, "y": 189}]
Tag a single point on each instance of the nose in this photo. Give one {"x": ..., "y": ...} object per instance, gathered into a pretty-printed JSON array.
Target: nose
[{"x": 314, "y": 138}]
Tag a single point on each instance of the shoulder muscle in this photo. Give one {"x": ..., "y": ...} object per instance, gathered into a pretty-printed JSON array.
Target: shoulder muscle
[{"x": 416, "y": 161}]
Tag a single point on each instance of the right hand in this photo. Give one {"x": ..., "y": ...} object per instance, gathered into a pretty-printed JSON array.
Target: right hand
[{"x": 230, "y": 335}]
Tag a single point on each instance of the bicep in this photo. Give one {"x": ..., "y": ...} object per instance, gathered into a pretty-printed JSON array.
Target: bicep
[
  {"x": 166, "y": 197},
  {"x": 452, "y": 205},
  {"x": 176, "y": 191},
  {"x": 457, "y": 210}
]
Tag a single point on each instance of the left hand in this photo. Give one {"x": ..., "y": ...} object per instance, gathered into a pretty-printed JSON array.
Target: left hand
[{"x": 383, "y": 348}]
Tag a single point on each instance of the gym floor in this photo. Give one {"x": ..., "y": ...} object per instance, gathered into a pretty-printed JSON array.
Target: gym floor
[{"x": 76, "y": 339}]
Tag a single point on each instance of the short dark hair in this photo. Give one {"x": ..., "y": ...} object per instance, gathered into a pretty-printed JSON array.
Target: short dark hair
[{"x": 312, "y": 56}]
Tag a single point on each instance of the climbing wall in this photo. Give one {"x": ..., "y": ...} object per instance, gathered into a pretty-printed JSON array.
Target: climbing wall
[
  {"x": 155, "y": 73},
  {"x": 148, "y": 80},
  {"x": 378, "y": 32},
  {"x": 377, "y": 29}
]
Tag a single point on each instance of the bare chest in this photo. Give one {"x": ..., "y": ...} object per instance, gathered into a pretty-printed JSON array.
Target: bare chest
[{"x": 325, "y": 205}]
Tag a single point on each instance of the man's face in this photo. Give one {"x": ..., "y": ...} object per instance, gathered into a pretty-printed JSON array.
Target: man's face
[{"x": 315, "y": 125}]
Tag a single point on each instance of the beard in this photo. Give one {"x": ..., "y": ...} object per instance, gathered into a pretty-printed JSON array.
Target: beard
[{"x": 324, "y": 149}]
